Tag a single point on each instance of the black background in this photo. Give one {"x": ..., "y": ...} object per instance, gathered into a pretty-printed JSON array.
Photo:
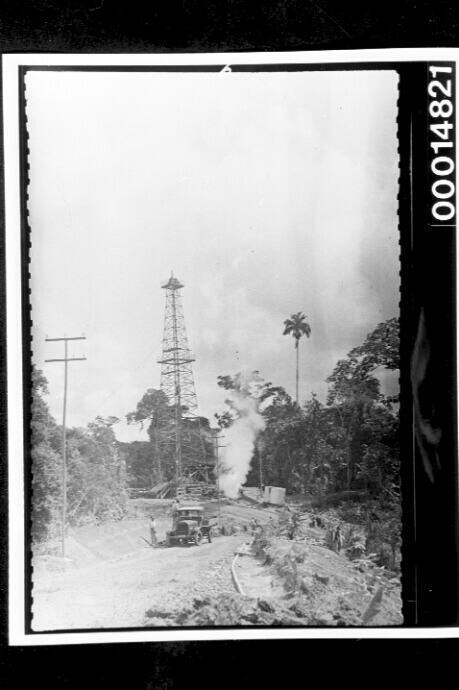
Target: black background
[
  {"x": 234, "y": 25},
  {"x": 224, "y": 25}
]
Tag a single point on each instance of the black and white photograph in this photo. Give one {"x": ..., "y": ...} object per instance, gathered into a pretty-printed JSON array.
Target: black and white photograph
[
  {"x": 215, "y": 290},
  {"x": 231, "y": 346}
]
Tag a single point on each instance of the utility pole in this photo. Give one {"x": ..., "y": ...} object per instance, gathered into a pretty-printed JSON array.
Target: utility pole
[
  {"x": 260, "y": 463},
  {"x": 217, "y": 446},
  {"x": 65, "y": 359}
]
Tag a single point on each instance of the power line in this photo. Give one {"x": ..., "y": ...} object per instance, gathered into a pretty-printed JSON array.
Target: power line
[
  {"x": 64, "y": 359},
  {"x": 114, "y": 391}
]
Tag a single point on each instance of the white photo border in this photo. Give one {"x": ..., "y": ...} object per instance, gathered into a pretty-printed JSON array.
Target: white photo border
[{"x": 16, "y": 509}]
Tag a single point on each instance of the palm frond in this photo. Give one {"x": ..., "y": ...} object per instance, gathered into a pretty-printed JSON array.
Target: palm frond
[{"x": 297, "y": 326}]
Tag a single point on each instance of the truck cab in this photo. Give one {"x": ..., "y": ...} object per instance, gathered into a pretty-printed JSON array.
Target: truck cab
[{"x": 189, "y": 526}]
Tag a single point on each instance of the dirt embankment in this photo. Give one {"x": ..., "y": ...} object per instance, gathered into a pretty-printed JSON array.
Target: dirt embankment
[
  {"x": 113, "y": 579},
  {"x": 326, "y": 587},
  {"x": 296, "y": 581}
]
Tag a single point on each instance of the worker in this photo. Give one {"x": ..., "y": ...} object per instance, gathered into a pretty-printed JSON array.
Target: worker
[
  {"x": 293, "y": 525},
  {"x": 338, "y": 539},
  {"x": 153, "y": 535}
]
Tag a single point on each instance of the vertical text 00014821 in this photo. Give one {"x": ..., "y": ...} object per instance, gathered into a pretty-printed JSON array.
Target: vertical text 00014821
[{"x": 442, "y": 145}]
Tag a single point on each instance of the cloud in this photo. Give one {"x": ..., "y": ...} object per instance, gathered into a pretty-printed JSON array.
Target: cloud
[{"x": 266, "y": 194}]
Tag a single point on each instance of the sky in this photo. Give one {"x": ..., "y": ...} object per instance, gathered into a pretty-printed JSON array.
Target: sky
[{"x": 265, "y": 194}]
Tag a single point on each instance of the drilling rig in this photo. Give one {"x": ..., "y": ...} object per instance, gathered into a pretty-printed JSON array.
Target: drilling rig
[{"x": 194, "y": 458}]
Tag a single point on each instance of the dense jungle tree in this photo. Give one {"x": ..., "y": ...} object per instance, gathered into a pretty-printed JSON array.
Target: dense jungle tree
[
  {"x": 46, "y": 462},
  {"x": 350, "y": 443},
  {"x": 96, "y": 474},
  {"x": 95, "y": 471},
  {"x": 153, "y": 462},
  {"x": 367, "y": 418}
]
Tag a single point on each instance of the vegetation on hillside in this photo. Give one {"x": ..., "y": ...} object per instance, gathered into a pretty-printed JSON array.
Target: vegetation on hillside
[
  {"x": 349, "y": 444},
  {"x": 96, "y": 481}
]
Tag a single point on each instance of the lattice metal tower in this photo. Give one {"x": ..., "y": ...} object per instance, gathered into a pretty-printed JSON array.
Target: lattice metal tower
[{"x": 177, "y": 383}]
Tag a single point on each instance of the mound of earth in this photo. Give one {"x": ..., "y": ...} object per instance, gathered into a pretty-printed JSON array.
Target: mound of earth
[
  {"x": 334, "y": 589},
  {"x": 233, "y": 610}
]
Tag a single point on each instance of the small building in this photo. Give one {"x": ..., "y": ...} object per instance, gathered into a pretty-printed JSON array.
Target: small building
[{"x": 274, "y": 495}]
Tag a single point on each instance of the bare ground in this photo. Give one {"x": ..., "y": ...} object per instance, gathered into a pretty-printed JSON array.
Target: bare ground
[
  {"x": 113, "y": 579},
  {"x": 117, "y": 593}
]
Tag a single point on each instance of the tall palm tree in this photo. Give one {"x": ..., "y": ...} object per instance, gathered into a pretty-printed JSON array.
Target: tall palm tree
[{"x": 297, "y": 326}]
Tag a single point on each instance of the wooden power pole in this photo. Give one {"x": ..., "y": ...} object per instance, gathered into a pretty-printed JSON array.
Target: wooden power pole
[
  {"x": 65, "y": 359},
  {"x": 217, "y": 446}
]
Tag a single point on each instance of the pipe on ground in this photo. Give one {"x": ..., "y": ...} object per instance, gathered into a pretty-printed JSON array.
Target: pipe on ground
[{"x": 234, "y": 576}]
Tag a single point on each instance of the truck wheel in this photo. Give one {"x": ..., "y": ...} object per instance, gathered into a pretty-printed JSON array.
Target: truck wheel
[{"x": 197, "y": 538}]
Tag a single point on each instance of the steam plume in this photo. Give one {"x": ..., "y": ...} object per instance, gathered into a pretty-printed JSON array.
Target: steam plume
[{"x": 240, "y": 438}]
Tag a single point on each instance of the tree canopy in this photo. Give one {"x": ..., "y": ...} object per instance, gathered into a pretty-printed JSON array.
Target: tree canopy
[
  {"x": 96, "y": 483},
  {"x": 349, "y": 443},
  {"x": 297, "y": 327}
]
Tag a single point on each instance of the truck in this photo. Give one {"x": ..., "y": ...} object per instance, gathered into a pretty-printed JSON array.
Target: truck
[{"x": 189, "y": 526}]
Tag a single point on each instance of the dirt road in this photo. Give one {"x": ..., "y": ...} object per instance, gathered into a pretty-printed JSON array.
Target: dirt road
[
  {"x": 116, "y": 594},
  {"x": 113, "y": 578}
]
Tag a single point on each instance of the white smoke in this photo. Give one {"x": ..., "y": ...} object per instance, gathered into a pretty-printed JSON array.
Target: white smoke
[{"x": 240, "y": 437}]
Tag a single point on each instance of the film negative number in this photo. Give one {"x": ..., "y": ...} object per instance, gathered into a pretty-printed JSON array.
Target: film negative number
[{"x": 442, "y": 134}]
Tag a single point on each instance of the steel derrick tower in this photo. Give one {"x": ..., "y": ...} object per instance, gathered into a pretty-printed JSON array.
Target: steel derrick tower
[{"x": 177, "y": 383}]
